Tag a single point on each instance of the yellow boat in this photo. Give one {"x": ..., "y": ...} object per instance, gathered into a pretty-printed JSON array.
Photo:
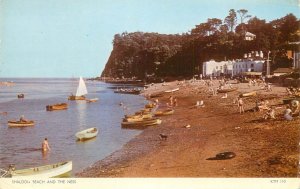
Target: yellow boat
[
  {"x": 150, "y": 105},
  {"x": 62, "y": 169},
  {"x": 164, "y": 112},
  {"x": 248, "y": 94},
  {"x": 20, "y": 123}
]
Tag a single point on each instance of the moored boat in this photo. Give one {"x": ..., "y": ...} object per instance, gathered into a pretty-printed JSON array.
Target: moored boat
[
  {"x": 81, "y": 91},
  {"x": 289, "y": 100},
  {"x": 61, "y": 106},
  {"x": 227, "y": 90},
  {"x": 253, "y": 93},
  {"x": 62, "y": 169},
  {"x": 20, "y": 123},
  {"x": 150, "y": 105},
  {"x": 92, "y": 100},
  {"x": 164, "y": 112},
  {"x": 87, "y": 134}
]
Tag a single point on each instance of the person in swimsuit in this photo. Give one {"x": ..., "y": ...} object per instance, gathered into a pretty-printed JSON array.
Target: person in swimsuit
[
  {"x": 45, "y": 145},
  {"x": 241, "y": 105}
]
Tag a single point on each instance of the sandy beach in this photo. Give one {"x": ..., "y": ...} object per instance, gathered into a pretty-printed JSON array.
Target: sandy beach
[{"x": 263, "y": 148}]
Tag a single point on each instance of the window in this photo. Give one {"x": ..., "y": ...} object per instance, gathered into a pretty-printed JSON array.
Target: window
[
  {"x": 216, "y": 67},
  {"x": 252, "y": 65},
  {"x": 220, "y": 67}
]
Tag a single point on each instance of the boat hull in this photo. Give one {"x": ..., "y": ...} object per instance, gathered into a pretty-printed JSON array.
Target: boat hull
[
  {"x": 87, "y": 134},
  {"x": 248, "y": 94},
  {"x": 61, "y": 169},
  {"x": 76, "y": 98},
  {"x": 20, "y": 124},
  {"x": 62, "y": 106},
  {"x": 164, "y": 113},
  {"x": 141, "y": 124}
]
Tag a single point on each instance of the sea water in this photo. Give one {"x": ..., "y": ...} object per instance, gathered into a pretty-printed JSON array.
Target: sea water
[{"x": 22, "y": 146}]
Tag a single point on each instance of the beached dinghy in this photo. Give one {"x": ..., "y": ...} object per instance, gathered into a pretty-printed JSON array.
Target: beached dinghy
[
  {"x": 87, "y": 134},
  {"x": 61, "y": 169},
  {"x": 81, "y": 91},
  {"x": 20, "y": 123},
  {"x": 164, "y": 112},
  {"x": 248, "y": 94},
  {"x": 226, "y": 90},
  {"x": 61, "y": 106},
  {"x": 172, "y": 90},
  {"x": 142, "y": 123}
]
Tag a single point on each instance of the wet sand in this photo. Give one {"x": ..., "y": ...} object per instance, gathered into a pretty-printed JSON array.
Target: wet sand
[{"x": 263, "y": 148}]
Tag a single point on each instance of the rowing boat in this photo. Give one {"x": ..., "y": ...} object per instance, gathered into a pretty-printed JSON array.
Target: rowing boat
[
  {"x": 87, "y": 134},
  {"x": 150, "y": 105},
  {"x": 92, "y": 100},
  {"x": 61, "y": 106},
  {"x": 20, "y": 123},
  {"x": 253, "y": 93},
  {"x": 61, "y": 169},
  {"x": 226, "y": 90},
  {"x": 142, "y": 123},
  {"x": 164, "y": 112},
  {"x": 172, "y": 90}
]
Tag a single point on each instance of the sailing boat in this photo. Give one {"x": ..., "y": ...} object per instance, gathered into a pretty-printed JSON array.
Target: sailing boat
[{"x": 81, "y": 91}]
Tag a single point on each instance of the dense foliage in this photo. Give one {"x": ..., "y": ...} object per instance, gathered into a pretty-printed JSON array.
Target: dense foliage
[{"x": 145, "y": 55}]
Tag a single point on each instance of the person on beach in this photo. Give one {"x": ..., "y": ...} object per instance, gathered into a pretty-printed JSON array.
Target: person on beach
[
  {"x": 225, "y": 95},
  {"x": 270, "y": 114},
  {"x": 241, "y": 105},
  {"x": 175, "y": 102},
  {"x": 288, "y": 113},
  {"x": 45, "y": 145},
  {"x": 171, "y": 100}
]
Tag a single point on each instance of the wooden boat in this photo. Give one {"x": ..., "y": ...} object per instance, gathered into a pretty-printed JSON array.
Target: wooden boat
[
  {"x": 92, "y": 100},
  {"x": 155, "y": 95},
  {"x": 138, "y": 116},
  {"x": 248, "y": 94},
  {"x": 289, "y": 100},
  {"x": 150, "y": 105},
  {"x": 20, "y": 123},
  {"x": 128, "y": 91},
  {"x": 61, "y": 169},
  {"x": 61, "y": 106},
  {"x": 164, "y": 112},
  {"x": 227, "y": 90},
  {"x": 81, "y": 91},
  {"x": 142, "y": 123},
  {"x": 143, "y": 111},
  {"x": 87, "y": 134},
  {"x": 172, "y": 90},
  {"x": 21, "y": 96}
]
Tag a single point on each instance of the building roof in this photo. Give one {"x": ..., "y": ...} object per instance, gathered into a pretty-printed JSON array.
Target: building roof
[
  {"x": 250, "y": 34},
  {"x": 283, "y": 70}
]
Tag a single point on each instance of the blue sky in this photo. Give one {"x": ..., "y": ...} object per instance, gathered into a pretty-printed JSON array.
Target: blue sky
[{"x": 71, "y": 38}]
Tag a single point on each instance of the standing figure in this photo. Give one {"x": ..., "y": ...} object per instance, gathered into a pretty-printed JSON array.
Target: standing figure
[
  {"x": 45, "y": 145},
  {"x": 241, "y": 105}
]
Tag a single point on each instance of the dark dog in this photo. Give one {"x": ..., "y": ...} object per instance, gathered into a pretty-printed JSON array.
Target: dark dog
[{"x": 163, "y": 137}]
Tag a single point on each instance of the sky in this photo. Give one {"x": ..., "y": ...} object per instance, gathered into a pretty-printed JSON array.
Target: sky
[{"x": 72, "y": 38}]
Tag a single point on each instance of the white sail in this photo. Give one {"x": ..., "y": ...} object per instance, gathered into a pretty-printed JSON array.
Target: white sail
[{"x": 81, "y": 89}]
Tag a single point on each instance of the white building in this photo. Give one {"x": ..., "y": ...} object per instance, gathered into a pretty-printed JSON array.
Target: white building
[
  {"x": 252, "y": 62},
  {"x": 249, "y": 36}
]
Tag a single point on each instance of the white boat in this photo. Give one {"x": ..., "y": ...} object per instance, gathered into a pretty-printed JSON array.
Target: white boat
[
  {"x": 61, "y": 169},
  {"x": 172, "y": 90},
  {"x": 81, "y": 91},
  {"x": 87, "y": 134},
  {"x": 92, "y": 100}
]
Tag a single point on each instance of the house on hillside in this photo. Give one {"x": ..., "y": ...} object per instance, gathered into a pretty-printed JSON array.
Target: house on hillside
[
  {"x": 249, "y": 36},
  {"x": 282, "y": 71}
]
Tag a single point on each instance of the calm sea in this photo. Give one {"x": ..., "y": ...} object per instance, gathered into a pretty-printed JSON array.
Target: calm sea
[{"x": 21, "y": 146}]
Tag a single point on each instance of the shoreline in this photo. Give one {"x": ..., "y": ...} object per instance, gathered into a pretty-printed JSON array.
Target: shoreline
[{"x": 263, "y": 148}]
